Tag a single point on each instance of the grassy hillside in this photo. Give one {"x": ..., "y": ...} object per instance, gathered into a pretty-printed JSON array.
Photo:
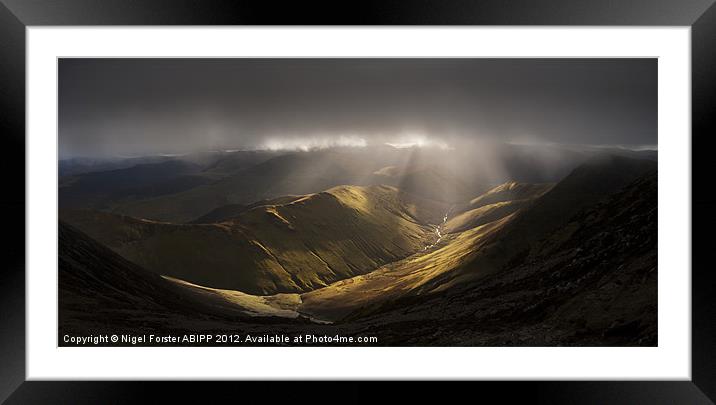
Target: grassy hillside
[
  {"x": 493, "y": 205},
  {"x": 510, "y": 191},
  {"x": 229, "y": 211},
  {"x": 397, "y": 279},
  {"x": 300, "y": 245}
]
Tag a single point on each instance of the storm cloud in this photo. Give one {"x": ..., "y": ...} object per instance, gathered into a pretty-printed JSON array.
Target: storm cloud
[{"x": 115, "y": 107}]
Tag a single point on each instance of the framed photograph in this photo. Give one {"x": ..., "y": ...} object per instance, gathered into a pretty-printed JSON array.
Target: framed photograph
[{"x": 455, "y": 192}]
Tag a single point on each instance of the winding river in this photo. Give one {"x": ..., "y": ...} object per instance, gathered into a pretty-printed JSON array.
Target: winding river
[{"x": 438, "y": 229}]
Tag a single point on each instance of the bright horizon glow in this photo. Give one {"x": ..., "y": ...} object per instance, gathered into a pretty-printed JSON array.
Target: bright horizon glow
[
  {"x": 306, "y": 144},
  {"x": 409, "y": 141},
  {"x": 312, "y": 144}
]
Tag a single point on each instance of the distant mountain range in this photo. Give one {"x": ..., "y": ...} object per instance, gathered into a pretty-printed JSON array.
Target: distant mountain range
[{"x": 183, "y": 189}]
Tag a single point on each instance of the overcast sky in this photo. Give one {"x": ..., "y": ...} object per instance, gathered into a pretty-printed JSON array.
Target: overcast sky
[{"x": 114, "y": 107}]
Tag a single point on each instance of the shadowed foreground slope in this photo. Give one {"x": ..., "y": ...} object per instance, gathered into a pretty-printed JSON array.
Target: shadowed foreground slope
[{"x": 101, "y": 291}]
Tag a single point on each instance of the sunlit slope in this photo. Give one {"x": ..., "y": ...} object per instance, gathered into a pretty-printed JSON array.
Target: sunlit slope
[
  {"x": 277, "y": 305},
  {"x": 493, "y": 205},
  {"x": 585, "y": 186},
  {"x": 510, "y": 191},
  {"x": 395, "y": 280},
  {"x": 464, "y": 237},
  {"x": 298, "y": 246},
  {"x": 339, "y": 233},
  {"x": 229, "y": 211}
]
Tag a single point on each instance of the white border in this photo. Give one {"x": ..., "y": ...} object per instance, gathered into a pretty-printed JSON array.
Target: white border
[{"x": 670, "y": 360}]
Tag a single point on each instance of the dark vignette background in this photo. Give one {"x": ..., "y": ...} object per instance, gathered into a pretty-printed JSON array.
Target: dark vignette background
[{"x": 16, "y": 14}]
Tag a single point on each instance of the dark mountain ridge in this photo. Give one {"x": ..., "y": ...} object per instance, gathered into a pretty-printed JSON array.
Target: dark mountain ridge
[
  {"x": 592, "y": 282},
  {"x": 102, "y": 188}
]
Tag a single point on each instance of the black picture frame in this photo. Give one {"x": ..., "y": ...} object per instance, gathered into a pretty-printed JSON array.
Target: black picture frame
[{"x": 15, "y": 15}]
